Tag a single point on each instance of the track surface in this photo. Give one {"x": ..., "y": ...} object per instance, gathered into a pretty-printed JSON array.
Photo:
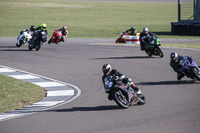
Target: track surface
[{"x": 172, "y": 106}]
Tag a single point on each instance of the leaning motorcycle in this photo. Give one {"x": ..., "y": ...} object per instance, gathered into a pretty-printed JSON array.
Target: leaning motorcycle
[
  {"x": 123, "y": 94},
  {"x": 56, "y": 37},
  {"x": 36, "y": 42},
  {"x": 153, "y": 47},
  {"x": 190, "y": 68},
  {"x": 122, "y": 38},
  {"x": 23, "y": 38}
]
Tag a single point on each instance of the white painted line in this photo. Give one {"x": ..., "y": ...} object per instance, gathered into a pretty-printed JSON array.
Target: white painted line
[
  {"x": 8, "y": 116},
  {"x": 48, "y": 84},
  {"x": 46, "y": 103},
  {"x": 24, "y": 76},
  {"x": 61, "y": 93},
  {"x": 6, "y": 70}
]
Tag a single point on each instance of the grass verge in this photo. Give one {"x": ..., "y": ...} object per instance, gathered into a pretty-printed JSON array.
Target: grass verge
[
  {"x": 87, "y": 19},
  {"x": 16, "y": 93}
]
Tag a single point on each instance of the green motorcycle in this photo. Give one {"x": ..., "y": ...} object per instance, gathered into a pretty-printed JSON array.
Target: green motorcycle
[{"x": 153, "y": 47}]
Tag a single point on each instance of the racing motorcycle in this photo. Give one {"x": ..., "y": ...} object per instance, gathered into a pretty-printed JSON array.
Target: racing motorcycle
[
  {"x": 56, "y": 37},
  {"x": 189, "y": 67},
  {"x": 122, "y": 93},
  {"x": 36, "y": 42},
  {"x": 153, "y": 47},
  {"x": 23, "y": 38},
  {"x": 122, "y": 38}
]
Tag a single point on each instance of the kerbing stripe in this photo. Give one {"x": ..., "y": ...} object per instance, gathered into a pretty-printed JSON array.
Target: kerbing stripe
[
  {"x": 61, "y": 93},
  {"x": 48, "y": 84},
  {"x": 4, "y": 70},
  {"x": 24, "y": 76}
]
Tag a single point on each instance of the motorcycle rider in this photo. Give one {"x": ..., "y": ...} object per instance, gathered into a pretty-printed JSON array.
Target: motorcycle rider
[
  {"x": 31, "y": 29},
  {"x": 132, "y": 30},
  {"x": 64, "y": 31},
  {"x": 174, "y": 63},
  {"x": 108, "y": 71},
  {"x": 44, "y": 28},
  {"x": 144, "y": 38}
]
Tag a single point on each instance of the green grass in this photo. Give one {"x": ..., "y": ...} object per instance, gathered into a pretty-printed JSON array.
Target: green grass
[
  {"x": 16, "y": 93},
  {"x": 87, "y": 19}
]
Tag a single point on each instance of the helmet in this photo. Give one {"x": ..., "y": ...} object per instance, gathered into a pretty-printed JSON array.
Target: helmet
[
  {"x": 174, "y": 56},
  {"x": 64, "y": 27},
  {"x": 133, "y": 28},
  {"x": 145, "y": 30},
  {"x": 32, "y": 28},
  {"x": 106, "y": 69},
  {"x": 43, "y": 26}
]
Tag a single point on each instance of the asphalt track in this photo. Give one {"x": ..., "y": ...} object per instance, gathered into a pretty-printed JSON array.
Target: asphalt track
[{"x": 172, "y": 106}]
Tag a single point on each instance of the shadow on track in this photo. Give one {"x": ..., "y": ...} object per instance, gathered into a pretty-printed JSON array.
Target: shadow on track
[
  {"x": 169, "y": 82},
  {"x": 98, "y": 108},
  {"x": 11, "y": 48},
  {"x": 126, "y": 57}
]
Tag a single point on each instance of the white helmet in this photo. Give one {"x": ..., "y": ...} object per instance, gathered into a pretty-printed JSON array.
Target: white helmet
[
  {"x": 145, "y": 30},
  {"x": 106, "y": 69}
]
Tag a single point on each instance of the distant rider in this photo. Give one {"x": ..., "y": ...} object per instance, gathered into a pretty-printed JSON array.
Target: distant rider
[
  {"x": 64, "y": 31},
  {"x": 43, "y": 27},
  {"x": 144, "y": 38},
  {"x": 131, "y": 31},
  {"x": 108, "y": 71},
  {"x": 174, "y": 63},
  {"x": 29, "y": 30}
]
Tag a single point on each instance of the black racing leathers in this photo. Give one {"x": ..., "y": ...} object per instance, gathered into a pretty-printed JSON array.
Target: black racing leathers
[
  {"x": 133, "y": 32},
  {"x": 144, "y": 39}
]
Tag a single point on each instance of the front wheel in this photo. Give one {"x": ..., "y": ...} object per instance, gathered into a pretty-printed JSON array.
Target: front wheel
[
  {"x": 196, "y": 73},
  {"x": 142, "y": 100},
  {"x": 50, "y": 40},
  {"x": 121, "y": 99},
  {"x": 30, "y": 47},
  {"x": 148, "y": 52},
  {"x": 160, "y": 53},
  {"x": 38, "y": 45}
]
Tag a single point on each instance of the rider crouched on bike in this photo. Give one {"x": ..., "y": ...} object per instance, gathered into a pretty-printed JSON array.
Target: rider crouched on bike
[
  {"x": 144, "y": 35},
  {"x": 174, "y": 63},
  {"x": 31, "y": 29},
  {"x": 108, "y": 71},
  {"x": 44, "y": 28},
  {"x": 64, "y": 31},
  {"x": 132, "y": 31}
]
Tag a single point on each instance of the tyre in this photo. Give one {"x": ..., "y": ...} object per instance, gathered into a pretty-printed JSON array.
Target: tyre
[
  {"x": 30, "y": 47},
  {"x": 50, "y": 40},
  {"x": 160, "y": 53},
  {"x": 118, "y": 40},
  {"x": 142, "y": 100},
  {"x": 121, "y": 99},
  {"x": 38, "y": 45},
  {"x": 196, "y": 73}
]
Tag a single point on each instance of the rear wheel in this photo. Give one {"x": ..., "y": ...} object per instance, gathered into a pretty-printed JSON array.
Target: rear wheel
[
  {"x": 160, "y": 53},
  {"x": 121, "y": 99},
  {"x": 196, "y": 73},
  {"x": 148, "y": 52}
]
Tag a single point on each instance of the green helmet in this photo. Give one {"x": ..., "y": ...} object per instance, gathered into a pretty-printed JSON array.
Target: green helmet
[
  {"x": 133, "y": 28},
  {"x": 43, "y": 26}
]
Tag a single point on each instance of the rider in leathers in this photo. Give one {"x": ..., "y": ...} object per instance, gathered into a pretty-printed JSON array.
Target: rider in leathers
[
  {"x": 174, "y": 63},
  {"x": 108, "y": 71},
  {"x": 144, "y": 38}
]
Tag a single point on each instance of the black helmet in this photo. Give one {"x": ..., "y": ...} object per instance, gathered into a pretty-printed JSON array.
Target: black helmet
[{"x": 32, "y": 28}]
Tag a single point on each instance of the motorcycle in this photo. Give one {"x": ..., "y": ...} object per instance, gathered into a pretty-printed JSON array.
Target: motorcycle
[
  {"x": 56, "y": 37},
  {"x": 122, "y": 38},
  {"x": 23, "y": 38},
  {"x": 190, "y": 68},
  {"x": 153, "y": 47},
  {"x": 123, "y": 94},
  {"x": 36, "y": 42}
]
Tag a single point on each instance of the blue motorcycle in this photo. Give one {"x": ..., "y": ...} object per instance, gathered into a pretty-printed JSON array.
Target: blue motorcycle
[{"x": 190, "y": 68}]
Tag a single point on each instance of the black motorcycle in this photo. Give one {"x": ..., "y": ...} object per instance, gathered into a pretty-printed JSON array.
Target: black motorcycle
[
  {"x": 122, "y": 93},
  {"x": 36, "y": 42}
]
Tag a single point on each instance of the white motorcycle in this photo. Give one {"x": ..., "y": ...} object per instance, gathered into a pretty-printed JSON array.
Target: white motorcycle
[{"x": 23, "y": 38}]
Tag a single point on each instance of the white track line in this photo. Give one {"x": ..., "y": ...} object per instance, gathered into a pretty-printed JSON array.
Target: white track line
[{"x": 57, "y": 93}]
